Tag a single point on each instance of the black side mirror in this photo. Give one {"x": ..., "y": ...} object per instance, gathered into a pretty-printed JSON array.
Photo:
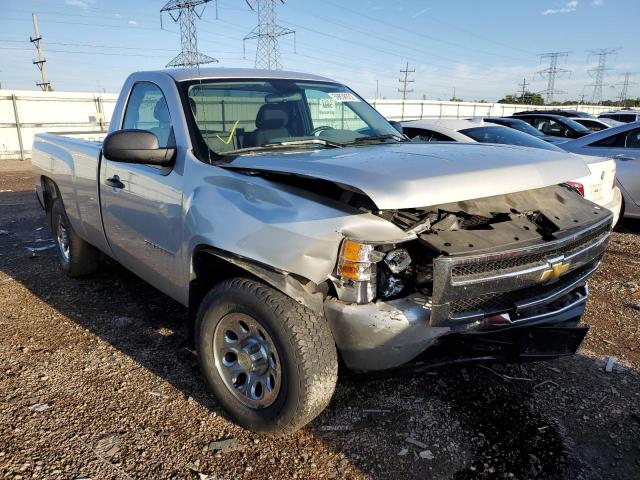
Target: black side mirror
[
  {"x": 136, "y": 146},
  {"x": 396, "y": 125}
]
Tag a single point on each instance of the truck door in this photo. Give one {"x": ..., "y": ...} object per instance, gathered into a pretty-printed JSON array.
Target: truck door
[{"x": 142, "y": 204}]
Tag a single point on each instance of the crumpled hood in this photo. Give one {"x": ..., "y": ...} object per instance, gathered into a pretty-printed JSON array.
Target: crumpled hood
[{"x": 407, "y": 175}]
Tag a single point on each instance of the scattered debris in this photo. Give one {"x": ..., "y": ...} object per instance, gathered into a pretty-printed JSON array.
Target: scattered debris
[
  {"x": 415, "y": 442},
  {"x": 465, "y": 375},
  {"x": 610, "y": 363},
  {"x": 42, "y": 248},
  {"x": 4, "y": 232},
  {"x": 108, "y": 446},
  {"x": 403, "y": 452},
  {"x": 39, "y": 407},
  {"x": 545, "y": 383},
  {"x": 335, "y": 428},
  {"x": 375, "y": 410},
  {"x": 553, "y": 369},
  {"x": 426, "y": 454},
  {"x": 506, "y": 377},
  {"x": 156, "y": 394},
  {"x": 225, "y": 446}
]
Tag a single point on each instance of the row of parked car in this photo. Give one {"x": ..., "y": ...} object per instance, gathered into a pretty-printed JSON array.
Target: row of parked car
[{"x": 609, "y": 144}]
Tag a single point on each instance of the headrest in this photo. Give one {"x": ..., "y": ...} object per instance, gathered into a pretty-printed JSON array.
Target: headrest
[
  {"x": 271, "y": 116},
  {"x": 161, "y": 111}
]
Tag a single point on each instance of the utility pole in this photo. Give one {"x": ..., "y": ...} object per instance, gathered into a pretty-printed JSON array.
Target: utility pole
[
  {"x": 598, "y": 72},
  {"x": 624, "y": 92},
  {"x": 37, "y": 41},
  {"x": 267, "y": 32},
  {"x": 377, "y": 89},
  {"x": 184, "y": 12},
  {"x": 551, "y": 73},
  {"x": 405, "y": 82},
  {"x": 524, "y": 89}
]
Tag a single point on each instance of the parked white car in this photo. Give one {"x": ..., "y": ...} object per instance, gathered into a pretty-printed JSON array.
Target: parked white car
[
  {"x": 599, "y": 187},
  {"x": 597, "y": 124},
  {"x": 623, "y": 145}
]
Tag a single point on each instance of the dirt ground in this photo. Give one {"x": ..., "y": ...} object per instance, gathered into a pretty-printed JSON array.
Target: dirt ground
[{"x": 97, "y": 381}]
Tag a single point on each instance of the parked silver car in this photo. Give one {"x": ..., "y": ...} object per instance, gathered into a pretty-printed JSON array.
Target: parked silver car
[{"x": 622, "y": 144}]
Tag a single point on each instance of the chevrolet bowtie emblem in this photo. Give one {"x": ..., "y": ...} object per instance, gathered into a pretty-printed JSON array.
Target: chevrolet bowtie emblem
[{"x": 555, "y": 272}]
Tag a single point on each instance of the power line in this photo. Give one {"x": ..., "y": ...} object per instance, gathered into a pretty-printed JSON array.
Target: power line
[
  {"x": 37, "y": 41},
  {"x": 267, "y": 33},
  {"x": 551, "y": 73},
  {"x": 598, "y": 72},
  {"x": 184, "y": 11}
]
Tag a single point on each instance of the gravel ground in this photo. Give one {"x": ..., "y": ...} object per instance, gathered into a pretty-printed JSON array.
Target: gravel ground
[{"x": 97, "y": 380}]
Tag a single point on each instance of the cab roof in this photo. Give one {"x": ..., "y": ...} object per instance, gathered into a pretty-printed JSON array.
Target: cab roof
[{"x": 195, "y": 73}]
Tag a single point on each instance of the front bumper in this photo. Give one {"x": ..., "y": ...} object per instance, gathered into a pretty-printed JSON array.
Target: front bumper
[
  {"x": 384, "y": 335},
  {"x": 540, "y": 285}
]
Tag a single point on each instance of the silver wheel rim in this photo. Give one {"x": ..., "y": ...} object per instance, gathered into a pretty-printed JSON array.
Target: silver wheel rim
[
  {"x": 63, "y": 242},
  {"x": 247, "y": 360}
]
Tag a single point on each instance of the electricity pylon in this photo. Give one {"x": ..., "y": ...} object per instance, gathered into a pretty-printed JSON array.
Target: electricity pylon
[{"x": 184, "y": 12}]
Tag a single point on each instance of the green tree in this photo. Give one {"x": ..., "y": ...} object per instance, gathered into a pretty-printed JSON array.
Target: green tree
[{"x": 530, "y": 98}]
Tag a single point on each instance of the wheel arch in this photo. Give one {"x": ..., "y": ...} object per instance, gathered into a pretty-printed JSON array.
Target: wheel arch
[{"x": 210, "y": 265}]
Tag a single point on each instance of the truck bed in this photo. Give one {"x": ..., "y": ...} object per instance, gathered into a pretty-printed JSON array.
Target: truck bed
[{"x": 71, "y": 161}]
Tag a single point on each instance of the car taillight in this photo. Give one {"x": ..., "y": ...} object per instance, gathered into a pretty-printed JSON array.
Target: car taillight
[{"x": 577, "y": 186}]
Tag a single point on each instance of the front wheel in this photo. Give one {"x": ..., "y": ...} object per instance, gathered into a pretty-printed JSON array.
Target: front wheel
[{"x": 270, "y": 361}]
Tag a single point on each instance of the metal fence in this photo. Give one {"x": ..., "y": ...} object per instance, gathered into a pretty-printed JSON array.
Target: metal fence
[{"x": 25, "y": 113}]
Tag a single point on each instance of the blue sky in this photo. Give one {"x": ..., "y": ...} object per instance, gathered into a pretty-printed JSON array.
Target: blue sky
[{"x": 483, "y": 49}]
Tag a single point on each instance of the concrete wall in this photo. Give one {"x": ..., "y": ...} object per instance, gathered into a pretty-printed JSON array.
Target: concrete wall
[{"x": 24, "y": 113}]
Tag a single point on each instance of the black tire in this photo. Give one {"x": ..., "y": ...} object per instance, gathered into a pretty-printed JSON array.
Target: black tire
[
  {"x": 305, "y": 346},
  {"x": 81, "y": 258}
]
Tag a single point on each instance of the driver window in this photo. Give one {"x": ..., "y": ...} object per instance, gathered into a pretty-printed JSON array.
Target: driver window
[{"x": 147, "y": 109}]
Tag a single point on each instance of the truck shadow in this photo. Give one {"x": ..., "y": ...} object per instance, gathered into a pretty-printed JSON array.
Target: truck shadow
[{"x": 473, "y": 421}]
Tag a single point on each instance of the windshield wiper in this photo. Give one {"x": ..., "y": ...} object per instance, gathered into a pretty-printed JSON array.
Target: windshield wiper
[
  {"x": 379, "y": 138},
  {"x": 287, "y": 144}
]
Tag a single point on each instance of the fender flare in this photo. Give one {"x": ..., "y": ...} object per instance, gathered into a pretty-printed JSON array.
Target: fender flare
[{"x": 308, "y": 294}]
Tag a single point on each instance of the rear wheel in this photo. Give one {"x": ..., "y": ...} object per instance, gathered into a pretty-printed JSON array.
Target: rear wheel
[
  {"x": 76, "y": 256},
  {"x": 270, "y": 361}
]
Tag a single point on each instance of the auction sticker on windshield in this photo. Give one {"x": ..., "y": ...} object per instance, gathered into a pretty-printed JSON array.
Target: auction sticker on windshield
[{"x": 343, "y": 96}]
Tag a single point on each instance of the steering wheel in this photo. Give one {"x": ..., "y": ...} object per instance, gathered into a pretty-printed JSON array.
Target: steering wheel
[{"x": 321, "y": 128}]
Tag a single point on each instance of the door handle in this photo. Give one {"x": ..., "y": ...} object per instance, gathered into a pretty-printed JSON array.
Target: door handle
[
  {"x": 114, "y": 182},
  {"x": 624, "y": 158}
]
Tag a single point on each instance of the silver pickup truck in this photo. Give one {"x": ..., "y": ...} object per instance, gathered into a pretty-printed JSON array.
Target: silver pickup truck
[{"x": 300, "y": 227}]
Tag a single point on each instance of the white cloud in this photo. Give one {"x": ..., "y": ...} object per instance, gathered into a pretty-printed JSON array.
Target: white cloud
[
  {"x": 84, "y": 4},
  {"x": 597, "y": 3},
  {"x": 569, "y": 7},
  {"x": 133, "y": 22}
]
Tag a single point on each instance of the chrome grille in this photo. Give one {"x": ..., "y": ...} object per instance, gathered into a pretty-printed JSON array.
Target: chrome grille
[{"x": 467, "y": 269}]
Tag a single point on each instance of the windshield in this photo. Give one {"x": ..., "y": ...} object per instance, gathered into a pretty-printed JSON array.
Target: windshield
[
  {"x": 231, "y": 116},
  {"x": 575, "y": 125},
  {"x": 507, "y": 136},
  {"x": 522, "y": 126}
]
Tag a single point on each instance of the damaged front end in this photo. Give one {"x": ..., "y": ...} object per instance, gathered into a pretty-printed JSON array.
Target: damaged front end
[{"x": 479, "y": 279}]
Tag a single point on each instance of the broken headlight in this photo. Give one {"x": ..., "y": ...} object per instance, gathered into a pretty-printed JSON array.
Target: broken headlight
[{"x": 365, "y": 271}]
